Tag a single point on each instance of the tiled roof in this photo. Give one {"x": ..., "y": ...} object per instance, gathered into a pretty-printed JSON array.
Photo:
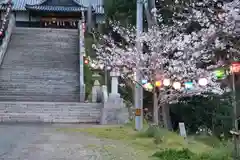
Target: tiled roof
[
  {"x": 19, "y": 5},
  {"x": 97, "y": 5},
  {"x": 57, "y": 8}
]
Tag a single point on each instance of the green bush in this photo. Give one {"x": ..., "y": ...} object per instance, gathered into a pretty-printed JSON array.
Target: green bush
[
  {"x": 154, "y": 132},
  {"x": 186, "y": 154},
  {"x": 150, "y": 132},
  {"x": 172, "y": 154}
]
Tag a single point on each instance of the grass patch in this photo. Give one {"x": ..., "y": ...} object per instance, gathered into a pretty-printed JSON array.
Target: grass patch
[
  {"x": 186, "y": 154},
  {"x": 160, "y": 144},
  {"x": 149, "y": 139}
]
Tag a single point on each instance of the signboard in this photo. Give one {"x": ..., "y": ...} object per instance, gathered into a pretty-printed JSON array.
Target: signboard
[
  {"x": 138, "y": 112},
  {"x": 182, "y": 129}
]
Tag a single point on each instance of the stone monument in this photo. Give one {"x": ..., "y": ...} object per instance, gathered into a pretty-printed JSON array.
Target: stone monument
[
  {"x": 96, "y": 89},
  {"x": 114, "y": 110}
]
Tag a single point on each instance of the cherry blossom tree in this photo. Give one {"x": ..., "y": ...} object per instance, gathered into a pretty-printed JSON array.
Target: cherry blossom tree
[{"x": 182, "y": 51}]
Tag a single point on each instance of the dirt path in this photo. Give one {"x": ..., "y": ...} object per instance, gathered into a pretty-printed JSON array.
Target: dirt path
[{"x": 44, "y": 142}]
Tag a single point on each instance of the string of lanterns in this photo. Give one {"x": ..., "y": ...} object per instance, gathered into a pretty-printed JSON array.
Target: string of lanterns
[
  {"x": 224, "y": 72},
  {"x": 174, "y": 84},
  {"x": 5, "y": 20},
  {"x": 218, "y": 73}
]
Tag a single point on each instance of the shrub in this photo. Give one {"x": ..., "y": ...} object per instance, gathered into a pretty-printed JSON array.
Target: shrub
[
  {"x": 153, "y": 131},
  {"x": 172, "y": 154},
  {"x": 186, "y": 154}
]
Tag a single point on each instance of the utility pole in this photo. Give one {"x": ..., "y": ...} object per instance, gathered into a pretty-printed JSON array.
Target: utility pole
[
  {"x": 235, "y": 118},
  {"x": 138, "y": 98},
  {"x": 234, "y": 101},
  {"x": 89, "y": 16}
]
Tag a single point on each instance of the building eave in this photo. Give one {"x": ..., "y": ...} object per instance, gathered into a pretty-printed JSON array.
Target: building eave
[
  {"x": 55, "y": 8},
  {"x": 20, "y": 5}
]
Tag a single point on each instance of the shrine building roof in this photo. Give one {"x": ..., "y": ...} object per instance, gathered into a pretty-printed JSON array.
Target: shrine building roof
[{"x": 56, "y": 5}]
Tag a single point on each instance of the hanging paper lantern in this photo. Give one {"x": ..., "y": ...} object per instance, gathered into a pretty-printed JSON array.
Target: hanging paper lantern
[
  {"x": 177, "y": 85},
  {"x": 188, "y": 85},
  {"x": 220, "y": 73},
  {"x": 148, "y": 86},
  {"x": 235, "y": 67},
  {"x": 143, "y": 81},
  {"x": 158, "y": 83},
  {"x": 166, "y": 82},
  {"x": 202, "y": 82},
  {"x": 86, "y": 60}
]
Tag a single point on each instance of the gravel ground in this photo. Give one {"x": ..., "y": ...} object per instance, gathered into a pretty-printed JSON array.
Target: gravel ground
[{"x": 44, "y": 142}]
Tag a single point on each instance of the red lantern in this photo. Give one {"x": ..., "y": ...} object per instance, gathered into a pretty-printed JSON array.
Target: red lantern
[
  {"x": 86, "y": 61},
  {"x": 235, "y": 67}
]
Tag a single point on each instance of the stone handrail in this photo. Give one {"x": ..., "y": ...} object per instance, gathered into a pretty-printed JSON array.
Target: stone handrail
[
  {"x": 104, "y": 93},
  {"x": 6, "y": 39},
  {"x": 81, "y": 59}
]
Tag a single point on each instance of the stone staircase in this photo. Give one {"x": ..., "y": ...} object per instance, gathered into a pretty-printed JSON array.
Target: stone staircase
[
  {"x": 39, "y": 79},
  {"x": 49, "y": 112},
  {"x": 41, "y": 64}
]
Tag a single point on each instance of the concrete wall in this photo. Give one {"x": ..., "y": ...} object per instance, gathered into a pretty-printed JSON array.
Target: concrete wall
[{"x": 3, "y": 47}]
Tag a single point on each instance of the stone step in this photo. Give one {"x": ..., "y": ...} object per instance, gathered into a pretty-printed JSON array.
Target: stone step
[
  {"x": 41, "y": 58},
  {"x": 25, "y": 30},
  {"x": 43, "y": 55},
  {"x": 70, "y": 67},
  {"x": 37, "y": 73},
  {"x": 41, "y": 64},
  {"x": 29, "y": 87},
  {"x": 39, "y": 78},
  {"x": 42, "y": 87},
  {"x": 49, "y": 104},
  {"x": 59, "y": 112},
  {"x": 12, "y": 64},
  {"x": 48, "y": 98},
  {"x": 43, "y": 84},
  {"x": 28, "y": 83},
  {"x": 66, "y": 115},
  {"x": 55, "y": 111},
  {"x": 17, "y": 92},
  {"x": 26, "y": 106},
  {"x": 50, "y": 108},
  {"x": 40, "y": 118}
]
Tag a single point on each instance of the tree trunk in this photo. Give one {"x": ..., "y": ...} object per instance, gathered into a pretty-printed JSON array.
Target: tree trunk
[
  {"x": 148, "y": 15},
  {"x": 155, "y": 108},
  {"x": 166, "y": 116}
]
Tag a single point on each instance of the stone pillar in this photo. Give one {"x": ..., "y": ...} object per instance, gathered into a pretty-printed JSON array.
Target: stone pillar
[
  {"x": 96, "y": 92},
  {"x": 81, "y": 60},
  {"x": 89, "y": 16},
  {"x": 114, "y": 110},
  {"x": 114, "y": 84}
]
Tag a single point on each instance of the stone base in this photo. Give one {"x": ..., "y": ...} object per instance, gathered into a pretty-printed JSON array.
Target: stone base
[
  {"x": 114, "y": 101},
  {"x": 82, "y": 93},
  {"x": 114, "y": 116}
]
